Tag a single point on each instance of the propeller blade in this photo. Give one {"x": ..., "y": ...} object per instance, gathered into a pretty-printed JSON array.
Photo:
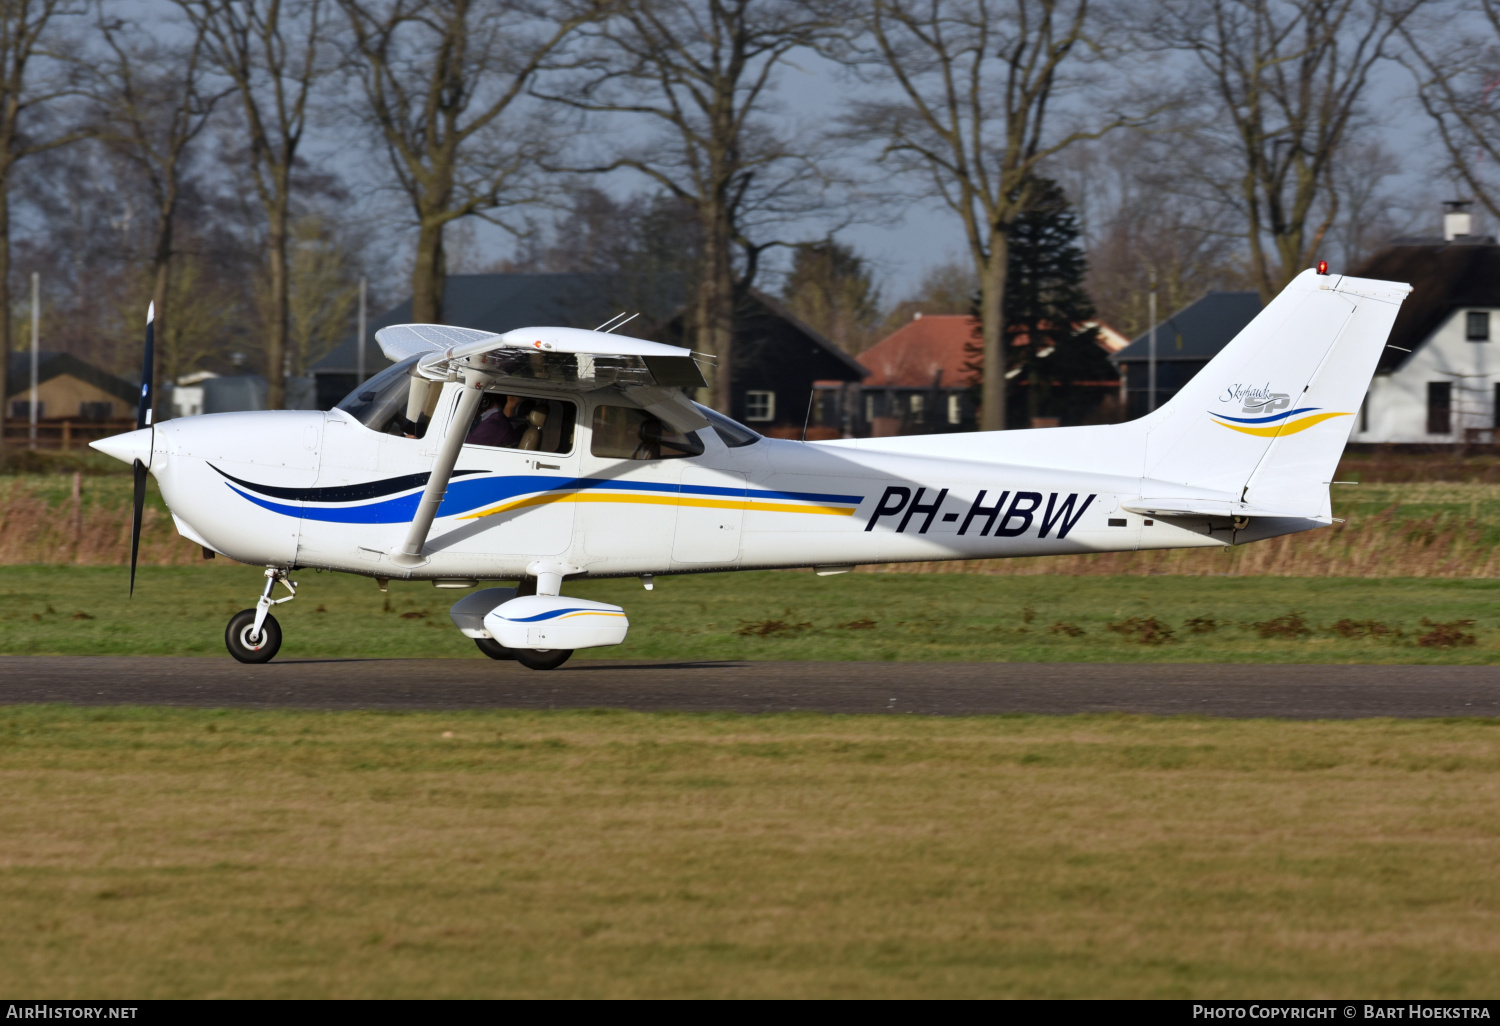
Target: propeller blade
[
  {"x": 138, "y": 504},
  {"x": 143, "y": 419},
  {"x": 148, "y": 371}
]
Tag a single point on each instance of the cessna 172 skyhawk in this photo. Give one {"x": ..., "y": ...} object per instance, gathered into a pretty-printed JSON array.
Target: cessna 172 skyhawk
[{"x": 546, "y": 454}]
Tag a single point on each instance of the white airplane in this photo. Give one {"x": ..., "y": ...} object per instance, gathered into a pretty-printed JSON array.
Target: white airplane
[{"x": 543, "y": 455}]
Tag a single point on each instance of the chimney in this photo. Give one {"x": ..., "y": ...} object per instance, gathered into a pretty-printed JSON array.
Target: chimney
[{"x": 1457, "y": 222}]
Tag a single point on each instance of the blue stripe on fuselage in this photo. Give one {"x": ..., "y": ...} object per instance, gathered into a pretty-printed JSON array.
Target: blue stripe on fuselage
[{"x": 466, "y": 495}]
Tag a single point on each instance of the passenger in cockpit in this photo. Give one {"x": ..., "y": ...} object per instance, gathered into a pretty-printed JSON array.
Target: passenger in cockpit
[{"x": 491, "y": 425}]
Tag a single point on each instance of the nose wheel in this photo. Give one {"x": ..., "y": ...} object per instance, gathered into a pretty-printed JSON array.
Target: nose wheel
[
  {"x": 253, "y": 635},
  {"x": 248, "y": 646}
]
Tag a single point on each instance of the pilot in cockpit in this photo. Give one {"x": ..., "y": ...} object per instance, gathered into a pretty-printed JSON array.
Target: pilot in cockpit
[{"x": 491, "y": 425}]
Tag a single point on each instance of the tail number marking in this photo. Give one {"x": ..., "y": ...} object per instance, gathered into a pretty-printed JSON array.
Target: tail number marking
[{"x": 1017, "y": 519}]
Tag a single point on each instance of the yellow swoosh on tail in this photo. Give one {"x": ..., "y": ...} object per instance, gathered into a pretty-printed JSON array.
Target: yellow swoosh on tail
[{"x": 1290, "y": 428}]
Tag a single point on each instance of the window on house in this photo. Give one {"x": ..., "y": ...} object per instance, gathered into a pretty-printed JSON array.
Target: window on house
[
  {"x": 917, "y": 405},
  {"x": 1496, "y": 407},
  {"x": 1478, "y": 326},
  {"x": 955, "y": 410},
  {"x": 21, "y": 409},
  {"x": 760, "y": 405},
  {"x": 1439, "y": 407},
  {"x": 869, "y": 408},
  {"x": 96, "y": 411}
]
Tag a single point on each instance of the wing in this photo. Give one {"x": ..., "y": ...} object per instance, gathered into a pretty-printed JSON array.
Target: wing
[
  {"x": 565, "y": 357},
  {"x": 400, "y": 341}
]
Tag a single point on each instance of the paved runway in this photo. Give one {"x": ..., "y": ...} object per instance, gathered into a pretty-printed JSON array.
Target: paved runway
[{"x": 950, "y": 689}]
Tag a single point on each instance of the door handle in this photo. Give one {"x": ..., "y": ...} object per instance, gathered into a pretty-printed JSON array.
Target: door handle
[{"x": 539, "y": 465}]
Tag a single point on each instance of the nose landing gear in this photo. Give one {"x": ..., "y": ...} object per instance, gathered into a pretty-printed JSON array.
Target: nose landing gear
[{"x": 253, "y": 635}]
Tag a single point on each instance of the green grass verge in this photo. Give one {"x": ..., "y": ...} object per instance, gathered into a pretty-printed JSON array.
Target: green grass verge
[
  {"x": 67, "y": 610},
  {"x": 159, "y": 853}
]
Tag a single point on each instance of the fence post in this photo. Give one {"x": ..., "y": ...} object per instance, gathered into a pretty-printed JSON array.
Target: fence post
[{"x": 67, "y": 440}]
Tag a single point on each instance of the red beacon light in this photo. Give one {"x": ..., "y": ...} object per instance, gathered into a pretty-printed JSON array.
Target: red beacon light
[{"x": 1322, "y": 266}]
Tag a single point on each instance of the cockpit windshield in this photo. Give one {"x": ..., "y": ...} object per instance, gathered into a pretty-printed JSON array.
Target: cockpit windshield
[
  {"x": 383, "y": 403},
  {"x": 731, "y": 432}
]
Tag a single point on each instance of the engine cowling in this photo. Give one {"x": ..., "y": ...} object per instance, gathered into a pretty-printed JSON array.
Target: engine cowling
[{"x": 556, "y": 621}]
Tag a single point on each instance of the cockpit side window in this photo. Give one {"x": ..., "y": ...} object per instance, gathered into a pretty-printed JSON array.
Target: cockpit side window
[
  {"x": 520, "y": 422},
  {"x": 625, "y": 433},
  {"x": 393, "y": 402}
]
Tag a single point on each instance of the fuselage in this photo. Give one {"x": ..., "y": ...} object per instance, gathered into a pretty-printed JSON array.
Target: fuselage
[{"x": 324, "y": 490}]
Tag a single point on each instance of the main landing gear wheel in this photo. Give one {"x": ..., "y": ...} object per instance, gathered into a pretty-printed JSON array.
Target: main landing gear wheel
[
  {"x": 247, "y": 648},
  {"x": 549, "y": 660},
  {"x": 493, "y": 649}
]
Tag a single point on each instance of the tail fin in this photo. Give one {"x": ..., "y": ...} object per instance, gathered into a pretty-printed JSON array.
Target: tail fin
[{"x": 1267, "y": 419}]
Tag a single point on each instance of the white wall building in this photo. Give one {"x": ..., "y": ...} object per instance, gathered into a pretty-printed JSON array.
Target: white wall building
[{"x": 1446, "y": 389}]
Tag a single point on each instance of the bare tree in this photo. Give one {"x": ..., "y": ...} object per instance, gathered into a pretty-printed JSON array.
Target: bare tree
[
  {"x": 1146, "y": 218},
  {"x": 1287, "y": 78},
  {"x": 701, "y": 73},
  {"x": 445, "y": 84},
  {"x": 325, "y": 288},
  {"x": 151, "y": 103},
  {"x": 830, "y": 288},
  {"x": 1457, "y": 76},
  {"x": 975, "y": 81},
  {"x": 31, "y": 84},
  {"x": 272, "y": 52}
]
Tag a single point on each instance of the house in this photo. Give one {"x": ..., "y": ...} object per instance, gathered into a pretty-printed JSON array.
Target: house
[
  {"x": 67, "y": 389},
  {"x": 922, "y": 380},
  {"x": 1185, "y": 342},
  {"x": 777, "y": 357},
  {"x": 1438, "y": 379},
  {"x": 919, "y": 382},
  {"x": 781, "y": 365}
]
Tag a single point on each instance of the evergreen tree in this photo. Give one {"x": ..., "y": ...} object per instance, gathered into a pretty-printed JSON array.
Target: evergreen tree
[{"x": 1051, "y": 346}]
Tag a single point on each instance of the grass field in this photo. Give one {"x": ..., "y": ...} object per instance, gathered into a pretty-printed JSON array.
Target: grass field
[
  {"x": 177, "y": 853},
  {"x": 793, "y": 615}
]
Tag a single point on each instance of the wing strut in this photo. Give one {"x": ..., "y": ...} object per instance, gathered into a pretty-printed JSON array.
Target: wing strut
[{"x": 409, "y": 554}]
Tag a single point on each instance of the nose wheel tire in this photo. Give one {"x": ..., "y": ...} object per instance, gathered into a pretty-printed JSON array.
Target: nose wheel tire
[
  {"x": 534, "y": 660},
  {"x": 493, "y": 649},
  {"x": 251, "y": 649}
]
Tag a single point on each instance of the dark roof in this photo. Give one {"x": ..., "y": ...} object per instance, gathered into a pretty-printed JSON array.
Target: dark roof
[
  {"x": 857, "y": 370},
  {"x": 1443, "y": 277},
  {"x": 500, "y": 302},
  {"x": 1197, "y": 331},
  {"x": 53, "y": 364}
]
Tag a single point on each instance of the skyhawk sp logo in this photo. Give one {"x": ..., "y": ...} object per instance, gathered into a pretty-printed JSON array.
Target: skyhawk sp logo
[{"x": 1271, "y": 415}]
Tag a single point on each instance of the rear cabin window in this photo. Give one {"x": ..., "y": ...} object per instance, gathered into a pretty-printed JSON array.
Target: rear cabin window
[{"x": 625, "y": 433}]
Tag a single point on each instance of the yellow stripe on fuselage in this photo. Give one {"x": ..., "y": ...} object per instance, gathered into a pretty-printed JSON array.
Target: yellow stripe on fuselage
[
  {"x": 662, "y": 500},
  {"x": 1282, "y": 429}
]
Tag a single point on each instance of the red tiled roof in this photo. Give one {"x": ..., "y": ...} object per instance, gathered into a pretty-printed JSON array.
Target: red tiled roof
[{"x": 912, "y": 356}]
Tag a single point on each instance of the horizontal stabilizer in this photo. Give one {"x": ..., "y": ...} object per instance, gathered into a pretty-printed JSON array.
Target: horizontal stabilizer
[{"x": 1207, "y": 508}]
